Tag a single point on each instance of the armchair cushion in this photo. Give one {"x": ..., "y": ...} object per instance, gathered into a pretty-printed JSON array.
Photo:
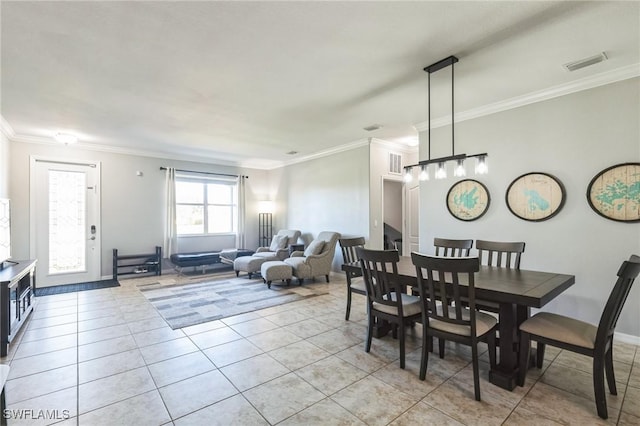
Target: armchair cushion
[
  {"x": 315, "y": 247},
  {"x": 278, "y": 241}
]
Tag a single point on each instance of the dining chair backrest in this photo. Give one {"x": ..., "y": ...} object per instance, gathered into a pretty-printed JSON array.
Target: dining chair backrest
[
  {"x": 502, "y": 254},
  {"x": 380, "y": 273},
  {"x": 627, "y": 274},
  {"x": 452, "y": 248},
  {"x": 439, "y": 280},
  {"x": 348, "y": 247}
]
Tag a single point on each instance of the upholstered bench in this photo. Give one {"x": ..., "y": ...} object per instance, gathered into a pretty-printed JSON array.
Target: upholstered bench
[
  {"x": 183, "y": 260},
  {"x": 274, "y": 271},
  {"x": 248, "y": 264},
  {"x": 204, "y": 258}
]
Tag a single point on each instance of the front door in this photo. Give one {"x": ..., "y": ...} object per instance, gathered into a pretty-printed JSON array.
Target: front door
[{"x": 65, "y": 219}]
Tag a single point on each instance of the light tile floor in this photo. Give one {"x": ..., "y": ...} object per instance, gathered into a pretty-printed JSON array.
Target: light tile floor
[{"x": 105, "y": 357}]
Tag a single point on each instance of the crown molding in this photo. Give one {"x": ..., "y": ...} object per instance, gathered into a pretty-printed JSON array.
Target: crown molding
[
  {"x": 6, "y": 129},
  {"x": 608, "y": 77},
  {"x": 165, "y": 155},
  {"x": 396, "y": 146},
  {"x": 342, "y": 148}
]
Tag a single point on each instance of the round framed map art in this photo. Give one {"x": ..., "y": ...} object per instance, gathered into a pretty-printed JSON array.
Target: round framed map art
[
  {"x": 535, "y": 196},
  {"x": 468, "y": 200},
  {"x": 614, "y": 193}
]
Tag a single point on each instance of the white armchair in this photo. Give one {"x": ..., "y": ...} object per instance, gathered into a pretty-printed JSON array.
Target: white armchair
[
  {"x": 316, "y": 260},
  {"x": 279, "y": 249}
]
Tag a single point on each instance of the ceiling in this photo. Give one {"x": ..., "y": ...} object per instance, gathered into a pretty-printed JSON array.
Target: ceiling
[{"x": 248, "y": 82}]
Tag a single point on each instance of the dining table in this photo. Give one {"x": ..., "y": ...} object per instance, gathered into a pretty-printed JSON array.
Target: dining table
[{"x": 515, "y": 291}]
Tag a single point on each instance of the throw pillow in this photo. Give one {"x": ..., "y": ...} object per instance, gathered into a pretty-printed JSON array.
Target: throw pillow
[
  {"x": 278, "y": 242},
  {"x": 315, "y": 247}
]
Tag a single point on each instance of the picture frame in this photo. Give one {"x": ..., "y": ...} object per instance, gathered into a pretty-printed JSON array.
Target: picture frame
[
  {"x": 535, "y": 196},
  {"x": 614, "y": 193},
  {"x": 468, "y": 200}
]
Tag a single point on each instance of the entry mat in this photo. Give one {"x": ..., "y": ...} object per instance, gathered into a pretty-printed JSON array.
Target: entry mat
[{"x": 68, "y": 288}]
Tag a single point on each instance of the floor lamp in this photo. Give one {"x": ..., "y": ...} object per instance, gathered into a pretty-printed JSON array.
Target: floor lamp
[{"x": 265, "y": 229}]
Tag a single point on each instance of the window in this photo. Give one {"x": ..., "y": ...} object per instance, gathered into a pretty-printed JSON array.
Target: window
[{"x": 206, "y": 206}]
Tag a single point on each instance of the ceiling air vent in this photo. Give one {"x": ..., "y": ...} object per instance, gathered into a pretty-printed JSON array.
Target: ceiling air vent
[
  {"x": 395, "y": 163},
  {"x": 373, "y": 127},
  {"x": 582, "y": 63}
]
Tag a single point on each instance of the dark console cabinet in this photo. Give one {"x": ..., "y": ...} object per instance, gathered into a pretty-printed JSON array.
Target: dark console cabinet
[{"x": 17, "y": 298}]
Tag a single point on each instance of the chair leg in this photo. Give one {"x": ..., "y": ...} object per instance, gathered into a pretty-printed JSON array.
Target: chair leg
[
  {"x": 441, "y": 342},
  {"x": 367, "y": 345},
  {"x": 525, "y": 343},
  {"x": 402, "y": 333},
  {"x": 539, "y": 355},
  {"x": 476, "y": 372},
  {"x": 598, "y": 384},
  {"x": 346, "y": 316},
  {"x": 327, "y": 277},
  {"x": 427, "y": 345},
  {"x": 608, "y": 365}
]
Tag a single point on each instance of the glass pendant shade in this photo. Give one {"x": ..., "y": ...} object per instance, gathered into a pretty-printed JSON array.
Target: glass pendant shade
[
  {"x": 482, "y": 168},
  {"x": 459, "y": 170},
  {"x": 441, "y": 172},
  {"x": 424, "y": 173},
  {"x": 407, "y": 175}
]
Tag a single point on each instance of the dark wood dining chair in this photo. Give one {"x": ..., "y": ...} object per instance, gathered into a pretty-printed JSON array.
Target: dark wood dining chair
[
  {"x": 452, "y": 248},
  {"x": 574, "y": 335},
  {"x": 502, "y": 254},
  {"x": 349, "y": 255},
  {"x": 386, "y": 296},
  {"x": 443, "y": 313}
]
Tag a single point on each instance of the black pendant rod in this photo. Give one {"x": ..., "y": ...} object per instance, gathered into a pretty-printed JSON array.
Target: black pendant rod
[
  {"x": 448, "y": 61},
  {"x": 453, "y": 151},
  {"x": 429, "y": 113}
]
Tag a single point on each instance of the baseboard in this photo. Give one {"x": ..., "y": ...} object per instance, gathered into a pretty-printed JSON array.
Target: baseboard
[{"x": 627, "y": 338}]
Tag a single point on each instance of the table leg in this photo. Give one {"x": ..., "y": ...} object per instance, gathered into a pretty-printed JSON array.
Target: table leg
[{"x": 505, "y": 373}]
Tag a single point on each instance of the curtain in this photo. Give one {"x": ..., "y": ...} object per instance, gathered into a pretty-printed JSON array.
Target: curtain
[
  {"x": 242, "y": 212},
  {"x": 170, "y": 229}
]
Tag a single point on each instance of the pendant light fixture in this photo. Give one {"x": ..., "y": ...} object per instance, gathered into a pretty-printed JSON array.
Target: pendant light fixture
[{"x": 441, "y": 171}]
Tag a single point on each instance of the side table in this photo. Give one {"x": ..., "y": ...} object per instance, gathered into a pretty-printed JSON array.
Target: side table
[{"x": 295, "y": 247}]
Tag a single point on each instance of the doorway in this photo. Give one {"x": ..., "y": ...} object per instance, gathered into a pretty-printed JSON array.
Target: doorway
[
  {"x": 64, "y": 221},
  {"x": 392, "y": 214}
]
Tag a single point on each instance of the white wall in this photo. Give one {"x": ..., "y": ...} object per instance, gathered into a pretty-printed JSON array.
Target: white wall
[
  {"x": 572, "y": 137},
  {"x": 132, "y": 206},
  {"x": 4, "y": 166},
  {"x": 324, "y": 194}
]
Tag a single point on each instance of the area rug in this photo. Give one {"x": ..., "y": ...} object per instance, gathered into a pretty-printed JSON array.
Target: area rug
[
  {"x": 185, "y": 304},
  {"x": 68, "y": 288}
]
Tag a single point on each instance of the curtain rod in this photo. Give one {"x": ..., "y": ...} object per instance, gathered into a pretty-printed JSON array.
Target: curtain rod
[{"x": 203, "y": 173}]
